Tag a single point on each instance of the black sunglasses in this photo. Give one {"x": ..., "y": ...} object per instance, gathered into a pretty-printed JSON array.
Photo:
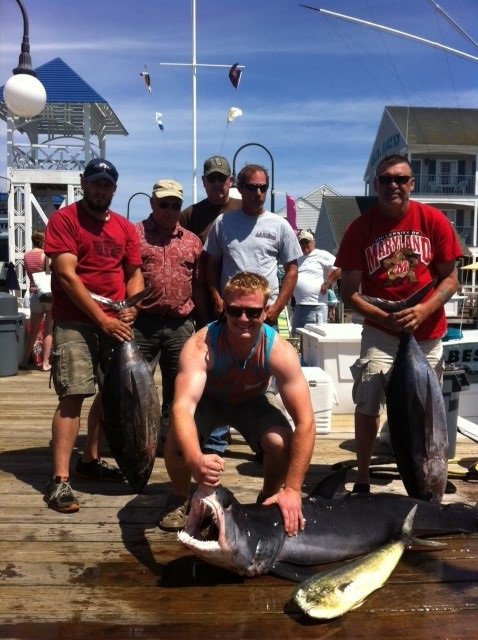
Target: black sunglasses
[
  {"x": 252, "y": 313},
  {"x": 216, "y": 177},
  {"x": 253, "y": 187},
  {"x": 169, "y": 205},
  {"x": 397, "y": 179}
]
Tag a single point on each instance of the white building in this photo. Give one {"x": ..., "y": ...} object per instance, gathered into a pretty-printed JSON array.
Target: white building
[{"x": 47, "y": 153}]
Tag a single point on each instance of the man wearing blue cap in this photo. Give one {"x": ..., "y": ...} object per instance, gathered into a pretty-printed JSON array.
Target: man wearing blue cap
[{"x": 92, "y": 250}]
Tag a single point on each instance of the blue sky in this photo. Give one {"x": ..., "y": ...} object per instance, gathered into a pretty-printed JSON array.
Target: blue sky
[{"x": 313, "y": 88}]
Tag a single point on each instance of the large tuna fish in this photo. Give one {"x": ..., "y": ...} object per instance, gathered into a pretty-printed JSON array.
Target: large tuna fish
[
  {"x": 131, "y": 412},
  {"x": 417, "y": 422},
  {"x": 251, "y": 540},
  {"x": 416, "y": 411},
  {"x": 131, "y": 407}
]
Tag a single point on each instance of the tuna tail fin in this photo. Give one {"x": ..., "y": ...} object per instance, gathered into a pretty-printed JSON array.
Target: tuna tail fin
[
  {"x": 132, "y": 300},
  {"x": 397, "y": 305},
  {"x": 117, "y": 305}
]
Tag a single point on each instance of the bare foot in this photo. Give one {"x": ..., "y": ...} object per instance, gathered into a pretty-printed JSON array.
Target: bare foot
[{"x": 46, "y": 367}]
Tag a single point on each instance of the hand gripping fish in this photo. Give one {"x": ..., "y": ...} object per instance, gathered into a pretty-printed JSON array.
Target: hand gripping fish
[
  {"x": 131, "y": 407},
  {"x": 330, "y": 594}
]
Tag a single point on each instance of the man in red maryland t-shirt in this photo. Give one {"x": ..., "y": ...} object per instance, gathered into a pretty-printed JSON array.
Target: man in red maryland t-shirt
[{"x": 390, "y": 252}]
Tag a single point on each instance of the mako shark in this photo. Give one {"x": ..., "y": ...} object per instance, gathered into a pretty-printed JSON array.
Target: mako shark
[{"x": 250, "y": 539}]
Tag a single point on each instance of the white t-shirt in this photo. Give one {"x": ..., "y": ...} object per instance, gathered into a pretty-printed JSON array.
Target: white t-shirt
[{"x": 313, "y": 270}]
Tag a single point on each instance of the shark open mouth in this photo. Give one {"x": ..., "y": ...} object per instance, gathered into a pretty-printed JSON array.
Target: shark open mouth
[{"x": 204, "y": 525}]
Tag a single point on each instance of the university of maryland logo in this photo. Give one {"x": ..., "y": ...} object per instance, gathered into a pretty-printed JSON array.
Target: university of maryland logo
[
  {"x": 400, "y": 266},
  {"x": 399, "y": 253}
]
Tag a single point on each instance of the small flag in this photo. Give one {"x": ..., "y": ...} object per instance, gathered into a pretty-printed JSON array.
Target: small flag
[
  {"x": 159, "y": 120},
  {"x": 147, "y": 80},
  {"x": 233, "y": 113},
  {"x": 235, "y": 75},
  {"x": 291, "y": 216}
]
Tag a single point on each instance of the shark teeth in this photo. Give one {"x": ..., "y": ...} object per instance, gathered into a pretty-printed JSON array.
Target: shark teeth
[{"x": 201, "y": 545}]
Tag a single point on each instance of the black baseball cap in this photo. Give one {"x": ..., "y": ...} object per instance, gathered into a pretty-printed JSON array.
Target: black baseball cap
[{"x": 98, "y": 169}]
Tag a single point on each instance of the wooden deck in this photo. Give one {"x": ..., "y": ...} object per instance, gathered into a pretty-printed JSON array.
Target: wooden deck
[{"x": 109, "y": 572}]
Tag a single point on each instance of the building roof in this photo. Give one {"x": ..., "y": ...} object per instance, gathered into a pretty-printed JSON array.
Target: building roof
[
  {"x": 337, "y": 213},
  {"x": 68, "y": 96},
  {"x": 436, "y": 125}
]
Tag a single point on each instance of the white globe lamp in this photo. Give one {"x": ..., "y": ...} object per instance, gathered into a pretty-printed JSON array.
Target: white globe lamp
[{"x": 24, "y": 95}]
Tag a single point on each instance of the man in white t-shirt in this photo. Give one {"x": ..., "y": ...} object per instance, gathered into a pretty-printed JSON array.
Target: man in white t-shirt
[{"x": 316, "y": 275}]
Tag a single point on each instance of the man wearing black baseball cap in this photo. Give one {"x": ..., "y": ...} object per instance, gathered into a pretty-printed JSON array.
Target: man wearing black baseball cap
[
  {"x": 98, "y": 169},
  {"x": 92, "y": 250}
]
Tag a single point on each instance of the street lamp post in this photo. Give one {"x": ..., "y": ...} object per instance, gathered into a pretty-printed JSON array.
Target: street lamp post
[
  {"x": 23, "y": 93},
  {"x": 256, "y": 144},
  {"x": 138, "y": 193}
]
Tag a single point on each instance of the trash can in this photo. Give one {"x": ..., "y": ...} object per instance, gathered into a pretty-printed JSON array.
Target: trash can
[
  {"x": 455, "y": 380},
  {"x": 10, "y": 335}
]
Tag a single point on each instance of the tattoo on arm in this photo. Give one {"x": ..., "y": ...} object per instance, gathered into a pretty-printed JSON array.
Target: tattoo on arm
[{"x": 444, "y": 293}]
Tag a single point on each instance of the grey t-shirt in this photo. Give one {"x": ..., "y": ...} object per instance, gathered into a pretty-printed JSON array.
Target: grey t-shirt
[{"x": 252, "y": 243}]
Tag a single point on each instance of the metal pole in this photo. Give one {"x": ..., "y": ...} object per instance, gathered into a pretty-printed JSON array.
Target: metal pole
[
  {"x": 24, "y": 60},
  {"x": 193, "y": 7},
  {"x": 138, "y": 193},
  {"x": 256, "y": 144},
  {"x": 394, "y": 32}
]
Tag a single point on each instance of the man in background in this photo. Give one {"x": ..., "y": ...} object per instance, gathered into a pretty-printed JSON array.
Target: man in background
[
  {"x": 255, "y": 240},
  {"x": 316, "y": 275},
  {"x": 171, "y": 257},
  {"x": 217, "y": 180}
]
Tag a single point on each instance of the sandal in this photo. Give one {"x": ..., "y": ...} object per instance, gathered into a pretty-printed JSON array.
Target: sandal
[{"x": 175, "y": 514}]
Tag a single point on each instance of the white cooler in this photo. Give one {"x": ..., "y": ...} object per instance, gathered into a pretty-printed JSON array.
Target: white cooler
[
  {"x": 333, "y": 348},
  {"x": 322, "y": 394}
]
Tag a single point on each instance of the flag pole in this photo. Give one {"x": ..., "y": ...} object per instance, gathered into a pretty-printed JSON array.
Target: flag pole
[
  {"x": 193, "y": 8},
  {"x": 194, "y": 66}
]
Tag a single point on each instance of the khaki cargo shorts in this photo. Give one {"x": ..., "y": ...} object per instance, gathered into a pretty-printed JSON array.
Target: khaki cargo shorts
[
  {"x": 80, "y": 356},
  {"x": 372, "y": 370}
]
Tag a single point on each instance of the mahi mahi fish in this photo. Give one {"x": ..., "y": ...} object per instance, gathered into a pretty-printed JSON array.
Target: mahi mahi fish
[
  {"x": 131, "y": 407},
  {"x": 330, "y": 594},
  {"x": 250, "y": 539},
  {"x": 416, "y": 413}
]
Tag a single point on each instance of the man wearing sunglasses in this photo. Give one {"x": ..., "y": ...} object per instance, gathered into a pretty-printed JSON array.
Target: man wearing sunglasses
[
  {"x": 253, "y": 239},
  {"x": 223, "y": 378},
  {"x": 217, "y": 180},
  {"x": 391, "y": 252},
  {"x": 171, "y": 265}
]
